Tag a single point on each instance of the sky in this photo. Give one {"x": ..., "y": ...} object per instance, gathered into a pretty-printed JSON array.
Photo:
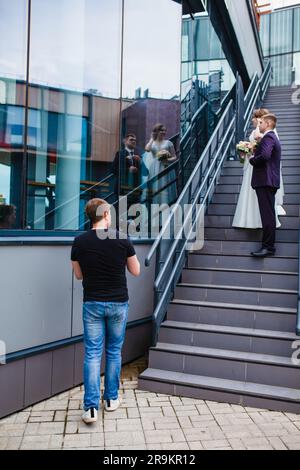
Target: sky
[{"x": 76, "y": 44}]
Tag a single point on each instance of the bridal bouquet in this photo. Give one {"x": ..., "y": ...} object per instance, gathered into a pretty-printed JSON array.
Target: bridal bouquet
[
  {"x": 163, "y": 156},
  {"x": 245, "y": 148}
]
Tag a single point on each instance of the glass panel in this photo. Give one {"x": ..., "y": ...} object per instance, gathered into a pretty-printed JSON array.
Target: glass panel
[
  {"x": 297, "y": 29},
  {"x": 151, "y": 95},
  {"x": 297, "y": 68},
  {"x": 281, "y": 27},
  {"x": 13, "y": 27},
  {"x": 265, "y": 34},
  {"x": 205, "y": 83},
  {"x": 282, "y": 70},
  {"x": 74, "y": 115}
]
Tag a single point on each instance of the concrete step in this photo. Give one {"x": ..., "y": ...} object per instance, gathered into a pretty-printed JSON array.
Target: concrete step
[
  {"x": 241, "y": 393},
  {"x": 212, "y": 259},
  {"x": 290, "y": 154},
  {"x": 230, "y": 165},
  {"x": 242, "y": 242},
  {"x": 225, "y": 221},
  {"x": 245, "y": 248},
  {"x": 238, "y": 179},
  {"x": 243, "y": 235},
  {"x": 292, "y": 210},
  {"x": 236, "y": 188},
  {"x": 241, "y": 277},
  {"x": 237, "y": 294},
  {"x": 276, "y": 104},
  {"x": 278, "y": 371},
  {"x": 232, "y": 198},
  {"x": 233, "y": 315},
  {"x": 277, "y": 343},
  {"x": 287, "y": 171}
]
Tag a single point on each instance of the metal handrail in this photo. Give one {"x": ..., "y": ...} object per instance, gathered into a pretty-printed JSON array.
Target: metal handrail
[
  {"x": 226, "y": 99},
  {"x": 98, "y": 184},
  {"x": 196, "y": 197},
  {"x": 203, "y": 182},
  {"x": 257, "y": 89},
  {"x": 186, "y": 188},
  {"x": 172, "y": 252},
  {"x": 250, "y": 89}
]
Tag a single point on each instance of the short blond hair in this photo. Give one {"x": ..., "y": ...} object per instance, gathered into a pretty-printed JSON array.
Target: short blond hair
[
  {"x": 259, "y": 113},
  {"x": 96, "y": 209},
  {"x": 271, "y": 118}
]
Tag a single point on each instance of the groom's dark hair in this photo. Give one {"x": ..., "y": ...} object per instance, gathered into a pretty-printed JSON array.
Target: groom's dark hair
[{"x": 272, "y": 118}]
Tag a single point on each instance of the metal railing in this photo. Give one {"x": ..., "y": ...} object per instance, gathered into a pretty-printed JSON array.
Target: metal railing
[
  {"x": 256, "y": 93},
  {"x": 172, "y": 245},
  {"x": 192, "y": 101},
  {"x": 171, "y": 250},
  {"x": 88, "y": 190}
]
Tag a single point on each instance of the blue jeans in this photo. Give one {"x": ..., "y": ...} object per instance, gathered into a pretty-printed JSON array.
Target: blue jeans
[{"x": 103, "y": 321}]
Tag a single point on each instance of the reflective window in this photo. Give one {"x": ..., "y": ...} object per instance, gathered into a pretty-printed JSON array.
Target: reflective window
[
  {"x": 65, "y": 125},
  {"x": 151, "y": 96},
  {"x": 201, "y": 42},
  {"x": 297, "y": 67},
  {"x": 297, "y": 29},
  {"x": 13, "y": 27},
  {"x": 280, "y": 36},
  {"x": 282, "y": 70},
  {"x": 74, "y": 113},
  {"x": 265, "y": 34},
  {"x": 281, "y": 27}
]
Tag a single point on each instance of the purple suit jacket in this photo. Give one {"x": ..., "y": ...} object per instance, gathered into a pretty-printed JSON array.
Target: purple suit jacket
[{"x": 266, "y": 162}]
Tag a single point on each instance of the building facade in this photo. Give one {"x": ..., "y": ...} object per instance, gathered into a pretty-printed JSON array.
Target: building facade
[{"x": 69, "y": 95}]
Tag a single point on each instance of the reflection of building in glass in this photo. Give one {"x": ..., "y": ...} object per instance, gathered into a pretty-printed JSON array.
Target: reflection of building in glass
[
  {"x": 68, "y": 99},
  {"x": 280, "y": 37},
  {"x": 203, "y": 54},
  {"x": 71, "y": 137},
  {"x": 63, "y": 122}
]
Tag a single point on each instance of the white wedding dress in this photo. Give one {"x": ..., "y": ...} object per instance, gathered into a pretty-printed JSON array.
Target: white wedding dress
[{"x": 247, "y": 214}]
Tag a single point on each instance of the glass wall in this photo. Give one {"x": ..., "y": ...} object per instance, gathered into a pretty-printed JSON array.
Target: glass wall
[
  {"x": 203, "y": 55},
  {"x": 106, "y": 73},
  {"x": 13, "y": 27},
  {"x": 280, "y": 37},
  {"x": 74, "y": 107}
]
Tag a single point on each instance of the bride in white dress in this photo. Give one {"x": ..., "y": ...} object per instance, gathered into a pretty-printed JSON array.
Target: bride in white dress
[
  {"x": 247, "y": 213},
  {"x": 164, "y": 187}
]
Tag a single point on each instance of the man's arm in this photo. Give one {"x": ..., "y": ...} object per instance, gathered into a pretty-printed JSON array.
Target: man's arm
[
  {"x": 77, "y": 270},
  {"x": 133, "y": 266},
  {"x": 264, "y": 152}
]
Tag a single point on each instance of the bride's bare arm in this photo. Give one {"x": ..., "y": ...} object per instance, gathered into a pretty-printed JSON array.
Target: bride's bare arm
[{"x": 149, "y": 145}]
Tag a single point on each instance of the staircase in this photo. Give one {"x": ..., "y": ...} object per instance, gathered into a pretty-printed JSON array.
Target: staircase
[{"x": 229, "y": 331}]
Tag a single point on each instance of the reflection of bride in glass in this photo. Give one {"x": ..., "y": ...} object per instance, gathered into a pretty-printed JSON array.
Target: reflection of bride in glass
[{"x": 160, "y": 154}]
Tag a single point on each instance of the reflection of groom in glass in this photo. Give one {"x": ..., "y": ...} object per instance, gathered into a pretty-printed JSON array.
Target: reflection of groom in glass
[{"x": 127, "y": 166}]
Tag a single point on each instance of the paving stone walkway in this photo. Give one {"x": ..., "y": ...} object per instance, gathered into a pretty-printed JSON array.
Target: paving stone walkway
[{"x": 148, "y": 421}]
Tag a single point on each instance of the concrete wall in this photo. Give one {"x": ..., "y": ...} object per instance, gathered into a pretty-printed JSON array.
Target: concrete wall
[
  {"x": 40, "y": 302},
  {"x": 242, "y": 24}
]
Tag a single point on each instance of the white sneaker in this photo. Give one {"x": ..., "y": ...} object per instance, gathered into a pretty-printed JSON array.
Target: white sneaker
[
  {"x": 112, "y": 405},
  {"x": 90, "y": 416}
]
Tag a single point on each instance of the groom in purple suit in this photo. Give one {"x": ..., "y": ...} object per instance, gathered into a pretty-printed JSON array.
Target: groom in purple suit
[{"x": 266, "y": 182}]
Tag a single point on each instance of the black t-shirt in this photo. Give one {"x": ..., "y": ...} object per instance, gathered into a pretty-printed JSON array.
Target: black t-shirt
[{"x": 103, "y": 265}]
